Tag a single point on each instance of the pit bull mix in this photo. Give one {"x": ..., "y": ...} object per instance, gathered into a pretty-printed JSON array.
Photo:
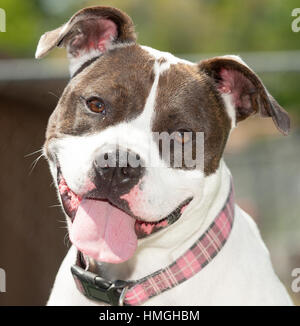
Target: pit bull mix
[{"x": 144, "y": 234}]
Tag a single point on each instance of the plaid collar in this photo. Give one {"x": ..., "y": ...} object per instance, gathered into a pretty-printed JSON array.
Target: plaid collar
[{"x": 133, "y": 293}]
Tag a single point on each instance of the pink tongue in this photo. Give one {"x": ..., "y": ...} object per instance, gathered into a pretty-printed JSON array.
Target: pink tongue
[{"x": 103, "y": 232}]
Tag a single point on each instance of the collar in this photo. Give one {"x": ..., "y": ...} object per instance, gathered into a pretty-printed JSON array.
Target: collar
[{"x": 133, "y": 293}]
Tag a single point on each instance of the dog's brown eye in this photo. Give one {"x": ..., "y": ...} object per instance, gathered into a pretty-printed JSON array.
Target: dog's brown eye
[
  {"x": 183, "y": 136},
  {"x": 96, "y": 105}
]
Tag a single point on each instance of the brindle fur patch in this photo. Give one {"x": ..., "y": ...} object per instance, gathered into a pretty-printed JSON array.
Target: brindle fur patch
[
  {"x": 122, "y": 77},
  {"x": 188, "y": 99}
]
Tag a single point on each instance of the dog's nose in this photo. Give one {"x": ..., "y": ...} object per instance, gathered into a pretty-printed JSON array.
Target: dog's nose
[{"x": 118, "y": 171}]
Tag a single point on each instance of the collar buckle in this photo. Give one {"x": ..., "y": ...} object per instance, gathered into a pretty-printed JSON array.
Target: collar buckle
[{"x": 97, "y": 288}]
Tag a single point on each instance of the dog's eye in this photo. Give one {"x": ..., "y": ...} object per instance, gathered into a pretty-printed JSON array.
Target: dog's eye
[
  {"x": 96, "y": 105},
  {"x": 183, "y": 136}
]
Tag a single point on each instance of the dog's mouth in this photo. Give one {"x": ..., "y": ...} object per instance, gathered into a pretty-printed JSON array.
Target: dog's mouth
[{"x": 105, "y": 232}]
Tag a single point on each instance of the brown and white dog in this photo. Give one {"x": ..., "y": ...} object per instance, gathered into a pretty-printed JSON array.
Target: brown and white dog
[{"x": 122, "y": 93}]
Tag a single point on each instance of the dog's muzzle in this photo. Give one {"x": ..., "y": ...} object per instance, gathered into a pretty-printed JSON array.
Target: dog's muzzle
[
  {"x": 116, "y": 173},
  {"x": 103, "y": 224}
]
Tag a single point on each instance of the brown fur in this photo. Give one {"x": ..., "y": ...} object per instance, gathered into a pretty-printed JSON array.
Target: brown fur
[
  {"x": 188, "y": 100},
  {"x": 121, "y": 77}
]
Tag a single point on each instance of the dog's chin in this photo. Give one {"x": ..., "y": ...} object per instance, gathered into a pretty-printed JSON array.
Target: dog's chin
[{"x": 105, "y": 231}]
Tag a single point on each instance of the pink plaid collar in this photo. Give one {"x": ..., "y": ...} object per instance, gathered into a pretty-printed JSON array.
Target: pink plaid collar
[
  {"x": 133, "y": 293},
  {"x": 188, "y": 264}
]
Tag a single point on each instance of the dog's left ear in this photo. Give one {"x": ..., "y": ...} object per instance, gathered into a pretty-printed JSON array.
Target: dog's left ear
[
  {"x": 88, "y": 33},
  {"x": 248, "y": 94}
]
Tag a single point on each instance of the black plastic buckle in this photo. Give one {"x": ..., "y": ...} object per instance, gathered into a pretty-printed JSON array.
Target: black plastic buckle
[{"x": 97, "y": 288}]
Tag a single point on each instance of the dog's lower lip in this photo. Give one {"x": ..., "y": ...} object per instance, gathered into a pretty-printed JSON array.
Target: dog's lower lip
[
  {"x": 71, "y": 202},
  {"x": 144, "y": 228},
  {"x": 173, "y": 214}
]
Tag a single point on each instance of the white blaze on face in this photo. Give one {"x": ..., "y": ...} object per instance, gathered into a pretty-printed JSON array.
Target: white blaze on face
[{"x": 163, "y": 188}]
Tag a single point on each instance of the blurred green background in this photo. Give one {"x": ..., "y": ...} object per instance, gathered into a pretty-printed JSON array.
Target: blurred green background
[
  {"x": 264, "y": 164},
  {"x": 191, "y": 26},
  {"x": 177, "y": 26}
]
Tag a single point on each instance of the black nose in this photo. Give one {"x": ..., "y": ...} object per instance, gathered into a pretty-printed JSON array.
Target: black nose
[{"x": 118, "y": 171}]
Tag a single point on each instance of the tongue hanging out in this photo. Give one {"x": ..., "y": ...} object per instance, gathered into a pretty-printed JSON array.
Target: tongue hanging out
[{"x": 103, "y": 232}]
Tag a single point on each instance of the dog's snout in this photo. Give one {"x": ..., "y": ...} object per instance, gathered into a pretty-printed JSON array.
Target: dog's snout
[{"x": 118, "y": 170}]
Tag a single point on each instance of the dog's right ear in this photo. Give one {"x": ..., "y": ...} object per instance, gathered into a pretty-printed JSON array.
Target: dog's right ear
[
  {"x": 88, "y": 33},
  {"x": 247, "y": 92}
]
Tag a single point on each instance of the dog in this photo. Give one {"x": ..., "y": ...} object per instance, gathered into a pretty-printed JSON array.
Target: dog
[{"x": 152, "y": 234}]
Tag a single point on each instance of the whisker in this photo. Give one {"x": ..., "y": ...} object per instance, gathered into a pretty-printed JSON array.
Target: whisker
[
  {"x": 30, "y": 154},
  {"x": 51, "y": 93},
  {"x": 34, "y": 163},
  {"x": 67, "y": 239},
  {"x": 54, "y": 206}
]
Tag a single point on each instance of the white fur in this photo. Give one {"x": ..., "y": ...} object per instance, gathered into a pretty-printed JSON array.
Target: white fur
[
  {"x": 40, "y": 48},
  {"x": 227, "y": 98},
  {"x": 170, "y": 58},
  {"x": 242, "y": 272},
  {"x": 77, "y": 62}
]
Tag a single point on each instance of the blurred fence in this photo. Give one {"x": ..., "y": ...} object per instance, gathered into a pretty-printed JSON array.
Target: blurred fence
[
  {"x": 279, "y": 61},
  {"x": 31, "y": 69}
]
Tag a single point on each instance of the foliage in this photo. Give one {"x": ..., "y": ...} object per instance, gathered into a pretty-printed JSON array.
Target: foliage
[
  {"x": 177, "y": 26},
  {"x": 189, "y": 26}
]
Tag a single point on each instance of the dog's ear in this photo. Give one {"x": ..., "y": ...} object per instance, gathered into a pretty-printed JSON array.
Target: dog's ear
[
  {"x": 88, "y": 33},
  {"x": 248, "y": 94}
]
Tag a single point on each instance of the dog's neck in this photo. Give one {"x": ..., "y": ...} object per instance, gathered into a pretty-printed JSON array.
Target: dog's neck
[{"x": 181, "y": 235}]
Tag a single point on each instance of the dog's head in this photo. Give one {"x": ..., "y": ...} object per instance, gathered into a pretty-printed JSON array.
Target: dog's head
[{"x": 104, "y": 139}]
